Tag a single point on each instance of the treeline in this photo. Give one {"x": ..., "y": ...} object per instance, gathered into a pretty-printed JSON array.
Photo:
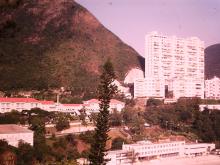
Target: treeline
[
  {"x": 181, "y": 118},
  {"x": 60, "y": 151},
  {"x": 185, "y": 117}
]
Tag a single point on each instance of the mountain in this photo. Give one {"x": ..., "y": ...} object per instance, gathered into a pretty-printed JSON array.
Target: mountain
[
  {"x": 212, "y": 61},
  {"x": 54, "y": 43}
]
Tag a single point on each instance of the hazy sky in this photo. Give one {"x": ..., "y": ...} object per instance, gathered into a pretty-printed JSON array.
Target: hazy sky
[{"x": 131, "y": 20}]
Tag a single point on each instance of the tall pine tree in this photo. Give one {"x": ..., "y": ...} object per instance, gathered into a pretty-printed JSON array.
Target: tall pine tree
[{"x": 106, "y": 91}]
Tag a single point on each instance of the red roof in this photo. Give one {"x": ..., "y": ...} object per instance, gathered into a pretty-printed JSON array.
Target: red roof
[
  {"x": 46, "y": 102},
  {"x": 74, "y": 105},
  {"x": 11, "y": 99}
]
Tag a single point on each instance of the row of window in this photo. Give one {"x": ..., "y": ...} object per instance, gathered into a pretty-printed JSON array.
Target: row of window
[{"x": 160, "y": 151}]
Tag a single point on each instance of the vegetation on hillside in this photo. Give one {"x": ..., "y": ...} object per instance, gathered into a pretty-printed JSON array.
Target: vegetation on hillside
[
  {"x": 212, "y": 61},
  {"x": 55, "y": 43},
  {"x": 45, "y": 151}
]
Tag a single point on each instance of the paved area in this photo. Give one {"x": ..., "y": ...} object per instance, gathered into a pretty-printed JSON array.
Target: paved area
[
  {"x": 78, "y": 129},
  {"x": 200, "y": 160}
]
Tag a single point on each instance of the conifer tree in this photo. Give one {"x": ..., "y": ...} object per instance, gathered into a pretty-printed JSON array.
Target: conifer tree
[{"x": 106, "y": 90}]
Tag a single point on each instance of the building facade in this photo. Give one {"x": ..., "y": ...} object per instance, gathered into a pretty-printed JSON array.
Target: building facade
[
  {"x": 47, "y": 105},
  {"x": 212, "y": 88},
  {"x": 120, "y": 157},
  {"x": 14, "y": 133},
  {"x": 198, "y": 149},
  {"x": 149, "y": 87},
  {"x": 92, "y": 105},
  {"x": 70, "y": 108},
  {"x": 146, "y": 150},
  {"x": 19, "y": 104},
  {"x": 178, "y": 62}
]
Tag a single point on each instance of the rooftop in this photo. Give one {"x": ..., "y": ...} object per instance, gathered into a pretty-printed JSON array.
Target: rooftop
[
  {"x": 45, "y": 102},
  {"x": 141, "y": 143},
  {"x": 11, "y": 99},
  {"x": 13, "y": 128},
  {"x": 73, "y": 105}
]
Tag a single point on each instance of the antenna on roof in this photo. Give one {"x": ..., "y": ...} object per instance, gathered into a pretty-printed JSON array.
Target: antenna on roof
[{"x": 58, "y": 98}]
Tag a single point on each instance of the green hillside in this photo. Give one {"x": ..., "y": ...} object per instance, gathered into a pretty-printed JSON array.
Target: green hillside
[
  {"x": 212, "y": 61},
  {"x": 53, "y": 43}
]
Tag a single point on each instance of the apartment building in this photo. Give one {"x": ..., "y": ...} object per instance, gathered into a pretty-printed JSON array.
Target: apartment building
[
  {"x": 212, "y": 88},
  {"x": 178, "y": 62}
]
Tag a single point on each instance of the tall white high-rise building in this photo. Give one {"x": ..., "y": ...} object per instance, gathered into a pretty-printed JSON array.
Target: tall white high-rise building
[
  {"x": 177, "y": 62},
  {"x": 212, "y": 88}
]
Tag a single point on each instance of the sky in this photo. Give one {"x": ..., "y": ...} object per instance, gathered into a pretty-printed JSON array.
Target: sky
[{"x": 131, "y": 20}]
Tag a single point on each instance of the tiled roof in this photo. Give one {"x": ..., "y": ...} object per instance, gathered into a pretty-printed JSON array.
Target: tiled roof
[
  {"x": 46, "y": 102},
  {"x": 74, "y": 105},
  {"x": 10, "y": 99},
  {"x": 12, "y": 128}
]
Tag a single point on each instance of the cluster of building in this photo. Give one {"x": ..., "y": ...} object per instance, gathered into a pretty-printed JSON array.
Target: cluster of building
[
  {"x": 146, "y": 150},
  {"x": 174, "y": 68},
  {"x": 19, "y": 104}
]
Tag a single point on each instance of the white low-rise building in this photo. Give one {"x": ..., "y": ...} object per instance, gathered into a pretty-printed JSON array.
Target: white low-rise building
[
  {"x": 120, "y": 157},
  {"x": 70, "y": 108},
  {"x": 19, "y": 104},
  {"x": 48, "y": 105},
  {"x": 198, "y": 149},
  {"x": 202, "y": 107},
  {"x": 93, "y": 105},
  {"x": 13, "y": 133},
  {"x": 170, "y": 100},
  {"x": 146, "y": 150},
  {"x": 212, "y": 88}
]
